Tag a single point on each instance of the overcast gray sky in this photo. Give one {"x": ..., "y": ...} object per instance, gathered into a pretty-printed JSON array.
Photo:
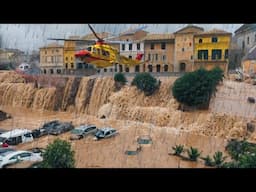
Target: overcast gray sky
[{"x": 28, "y": 37}]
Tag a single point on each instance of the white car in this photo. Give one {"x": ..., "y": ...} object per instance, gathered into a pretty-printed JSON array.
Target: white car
[
  {"x": 17, "y": 156},
  {"x": 105, "y": 133}
]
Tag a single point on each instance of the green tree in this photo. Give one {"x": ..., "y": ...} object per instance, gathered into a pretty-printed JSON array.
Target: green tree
[
  {"x": 146, "y": 82},
  {"x": 119, "y": 77},
  {"x": 195, "y": 88},
  {"x": 120, "y": 80},
  {"x": 58, "y": 155}
]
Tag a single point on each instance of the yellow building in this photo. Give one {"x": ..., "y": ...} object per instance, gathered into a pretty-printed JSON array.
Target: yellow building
[
  {"x": 69, "y": 55},
  {"x": 212, "y": 49}
]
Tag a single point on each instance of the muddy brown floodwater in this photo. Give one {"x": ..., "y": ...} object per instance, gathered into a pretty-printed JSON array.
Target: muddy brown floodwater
[
  {"x": 110, "y": 152},
  {"x": 88, "y": 99}
]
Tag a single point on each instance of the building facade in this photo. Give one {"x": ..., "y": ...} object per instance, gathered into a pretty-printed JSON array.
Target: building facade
[
  {"x": 132, "y": 45},
  {"x": 51, "y": 59},
  {"x": 245, "y": 37},
  {"x": 184, "y": 48},
  {"x": 159, "y": 52},
  {"x": 249, "y": 61},
  {"x": 212, "y": 49}
]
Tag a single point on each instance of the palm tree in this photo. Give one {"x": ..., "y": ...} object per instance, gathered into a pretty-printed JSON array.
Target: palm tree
[
  {"x": 178, "y": 149},
  {"x": 218, "y": 158},
  {"x": 193, "y": 153},
  {"x": 208, "y": 161}
]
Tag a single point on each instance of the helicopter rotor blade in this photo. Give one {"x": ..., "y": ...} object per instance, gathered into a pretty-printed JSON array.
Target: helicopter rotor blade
[{"x": 95, "y": 34}]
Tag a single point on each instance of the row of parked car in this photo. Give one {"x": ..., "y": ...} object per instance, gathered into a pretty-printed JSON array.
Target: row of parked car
[
  {"x": 16, "y": 136},
  {"x": 84, "y": 130},
  {"x": 54, "y": 127}
]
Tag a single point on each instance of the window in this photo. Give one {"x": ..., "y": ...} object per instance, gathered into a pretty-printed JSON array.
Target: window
[
  {"x": 191, "y": 57},
  {"x": 98, "y": 51},
  {"x": 105, "y": 70},
  {"x": 94, "y": 50},
  {"x": 22, "y": 155},
  {"x": 214, "y": 39},
  {"x": 80, "y": 66},
  {"x": 120, "y": 68},
  {"x": 163, "y": 45},
  {"x": 149, "y": 57},
  {"x": 27, "y": 135},
  {"x": 152, "y": 46},
  {"x": 71, "y": 58},
  {"x": 165, "y": 68},
  {"x": 45, "y": 52},
  {"x": 103, "y": 52},
  {"x": 158, "y": 68},
  {"x": 111, "y": 70},
  {"x": 216, "y": 54},
  {"x": 130, "y": 57},
  {"x": 150, "y": 68},
  {"x": 156, "y": 57},
  {"x": 123, "y": 47},
  {"x": 89, "y": 49},
  {"x": 72, "y": 65},
  {"x": 130, "y": 46},
  {"x": 200, "y": 41},
  {"x": 255, "y": 38},
  {"x": 202, "y": 54},
  {"x": 182, "y": 67},
  {"x": 226, "y": 54},
  {"x": 59, "y": 71},
  {"x": 57, "y": 50},
  {"x": 138, "y": 46},
  {"x": 164, "y": 57},
  {"x": 51, "y": 71},
  {"x": 66, "y": 66},
  {"x": 248, "y": 40},
  {"x": 127, "y": 69},
  {"x": 182, "y": 49},
  {"x": 44, "y": 71},
  {"x": 137, "y": 68},
  {"x": 243, "y": 45},
  {"x": 107, "y": 54}
]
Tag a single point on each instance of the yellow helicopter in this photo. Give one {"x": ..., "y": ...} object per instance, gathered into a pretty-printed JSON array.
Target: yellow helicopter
[{"x": 102, "y": 54}]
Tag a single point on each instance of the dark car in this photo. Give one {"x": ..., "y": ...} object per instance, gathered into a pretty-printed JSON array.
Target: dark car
[
  {"x": 105, "y": 133},
  {"x": 45, "y": 129},
  {"x": 61, "y": 128}
]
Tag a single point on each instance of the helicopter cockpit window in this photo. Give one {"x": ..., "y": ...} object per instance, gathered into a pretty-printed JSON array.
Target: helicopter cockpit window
[
  {"x": 107, "y": 53},
  {"x": 98, "y": 51},
  {"x": 89, "y": 49}
]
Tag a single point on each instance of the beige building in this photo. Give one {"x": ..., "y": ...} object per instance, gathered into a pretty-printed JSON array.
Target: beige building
[
  {"x": 159, "y": 51},
  {"x": 184, "y": 48},
  {"x": 51, "y": 59}
]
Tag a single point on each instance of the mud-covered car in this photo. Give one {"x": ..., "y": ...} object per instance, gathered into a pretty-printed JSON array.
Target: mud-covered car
[
  {"x": 105, "y": 133},
  {"x": 82, "y": 131},
  {"x": 61, "y": 127},
  {"x": 45, "y": 128}
]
